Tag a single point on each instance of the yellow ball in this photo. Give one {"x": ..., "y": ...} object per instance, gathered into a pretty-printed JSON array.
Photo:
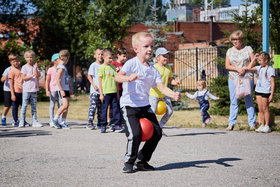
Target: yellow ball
[{"x": 161, "y": 108}]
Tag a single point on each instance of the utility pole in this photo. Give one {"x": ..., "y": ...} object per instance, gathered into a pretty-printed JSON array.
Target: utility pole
[{"x": 266, "y": 25}]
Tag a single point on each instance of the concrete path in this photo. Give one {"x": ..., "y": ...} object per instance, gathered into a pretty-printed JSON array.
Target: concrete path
[{"x": 187, "y": 157}]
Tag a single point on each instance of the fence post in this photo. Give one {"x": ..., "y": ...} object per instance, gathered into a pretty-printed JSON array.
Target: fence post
[{"x": 196, "y": 62}]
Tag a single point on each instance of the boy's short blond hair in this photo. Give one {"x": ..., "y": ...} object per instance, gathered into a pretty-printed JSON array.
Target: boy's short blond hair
[
  {"x": 108, "y": 51},
  {"x": 98, "y": 49},
  {"x": 138, "y": 36},
  {"x": 236, "y": 35},
  {"x": 201, "y": 82},
  {"x": 64, "y": 55},
  {"x": 12, "y": 57},
  {"x": 29, "y": 52}
]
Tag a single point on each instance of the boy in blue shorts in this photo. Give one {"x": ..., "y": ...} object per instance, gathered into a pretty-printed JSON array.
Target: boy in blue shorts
[
  {"x": 138, "y": 77},
  {"x": 7, "y": 94},
  {"x": 108, "y": 92}
]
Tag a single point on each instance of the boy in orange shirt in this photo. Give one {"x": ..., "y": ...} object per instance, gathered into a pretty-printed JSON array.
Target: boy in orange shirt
[{"x": 15, "y": 78}]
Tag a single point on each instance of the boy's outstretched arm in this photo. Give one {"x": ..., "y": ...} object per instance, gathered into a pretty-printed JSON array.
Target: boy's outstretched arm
[
  {"x": 122, "y": 77},
  {"x": 168, "y": 92}
]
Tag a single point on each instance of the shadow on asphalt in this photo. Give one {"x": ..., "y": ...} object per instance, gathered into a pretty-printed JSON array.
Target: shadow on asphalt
[
  {"x": 7, "y": 133},
  {"x": 180, "y": 165},
  {"x": 195, "y": 134}
]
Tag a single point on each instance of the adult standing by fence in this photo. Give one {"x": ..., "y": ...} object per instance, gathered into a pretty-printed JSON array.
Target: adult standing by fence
[{"x": 237, "y": 58}]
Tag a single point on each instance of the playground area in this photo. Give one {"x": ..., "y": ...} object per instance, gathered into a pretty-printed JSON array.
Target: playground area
[{"x": 187, "y": 157}]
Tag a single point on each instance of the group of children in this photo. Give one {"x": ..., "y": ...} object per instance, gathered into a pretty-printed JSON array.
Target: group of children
[
  {"x": 20, "y": 86},
  {"x": 131, "y": 89}
]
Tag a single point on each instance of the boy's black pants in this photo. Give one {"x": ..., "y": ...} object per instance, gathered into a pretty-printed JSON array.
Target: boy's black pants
[{"x": 133, "y": 132}]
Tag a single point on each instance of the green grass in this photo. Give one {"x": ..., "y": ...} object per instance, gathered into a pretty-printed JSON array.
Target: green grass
[{"x": 190, "y": 117}]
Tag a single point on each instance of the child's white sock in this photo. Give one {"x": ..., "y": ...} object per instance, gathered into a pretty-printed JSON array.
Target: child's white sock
[
  {"x": 56, "y": 117},
  {"x": 3, "y": 117},
  {"x": 63, "y": 120}
]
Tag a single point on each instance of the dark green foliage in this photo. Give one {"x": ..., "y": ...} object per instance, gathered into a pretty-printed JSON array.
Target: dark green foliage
[
  {"x": 247, "y": 25},
  {"x": 140, "y": 10},
  {"x": 41, "y": 95},
  {"x": 219, "y": 86}
]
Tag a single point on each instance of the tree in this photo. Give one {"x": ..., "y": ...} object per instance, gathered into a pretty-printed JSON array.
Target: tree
[
  {"x": 61, "y": 24},
  {"x": 159, "y": 37},
  {"x": 140, "y": 10},
  {"x": 248, "y": 25},
  {"x": 14, "y": 15},
  {"x": 107, "y": 22}
]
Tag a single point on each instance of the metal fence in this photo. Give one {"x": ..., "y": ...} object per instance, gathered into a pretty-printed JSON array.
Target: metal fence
[{"x": 189, "y": 64}]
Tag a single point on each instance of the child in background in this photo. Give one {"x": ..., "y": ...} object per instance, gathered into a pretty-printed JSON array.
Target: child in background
[
  {"x": 51, "y": 87},
  {"x": 95, "y": 102},
  {"x": 121, "y": 59},
  {"x": 7, "y": 94},
  {"x": 202, "y": 96},
  {"x": 264, "y": 88},
  {"x": 138, "y": 77},
  {"x": 63, "y": 88},
  {"x": 108, "y": 91},
  {"x": 166, "y": 76},
  {"x": 30, "y": 74},
  {"x": 15, "y": 79}
]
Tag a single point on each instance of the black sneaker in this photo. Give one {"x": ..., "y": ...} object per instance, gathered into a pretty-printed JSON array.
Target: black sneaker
[
  {"x": 128, "y": 168},
  {"x": 144, "y": 166}
]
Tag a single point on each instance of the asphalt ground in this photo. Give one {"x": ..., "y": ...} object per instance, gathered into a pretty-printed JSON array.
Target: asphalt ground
[{"x": 186, "y": 157}]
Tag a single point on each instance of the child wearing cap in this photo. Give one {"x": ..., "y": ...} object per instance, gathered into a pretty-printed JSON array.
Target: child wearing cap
[
  {"x": 155, "y": 94},
  {"x": 63, "y": 88},
  {"x": 51, "y": 87}
]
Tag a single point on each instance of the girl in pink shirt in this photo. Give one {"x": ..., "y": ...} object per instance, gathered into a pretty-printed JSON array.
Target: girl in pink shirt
[{"x": 51, "y": 88}]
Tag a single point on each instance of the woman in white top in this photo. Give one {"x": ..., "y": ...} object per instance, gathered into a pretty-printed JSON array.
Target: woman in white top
[{"x": 237, "y": 59}]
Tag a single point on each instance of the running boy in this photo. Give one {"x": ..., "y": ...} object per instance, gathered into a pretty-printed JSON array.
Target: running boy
[
  {"x": 63, "y": 88},
  {"x": 108, "y": 91},
  {"x": 95, "y": 102},
  {"x": 138, "y": 77},
  {"x": 15, "y": 79},
  {"x": 30, "y": 74},
  {"x": 167, "y": 77},
  {"x": 202, "y": 96},
  {"x": 264, "y": 88},
  {"x": 7, "y": 94},
  {"x": 51, "y": 87}
]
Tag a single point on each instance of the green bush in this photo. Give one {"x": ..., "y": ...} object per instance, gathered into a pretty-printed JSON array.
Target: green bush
[
  {"x": 219, "y": 87},
  {"x": 41, "y": 95}
]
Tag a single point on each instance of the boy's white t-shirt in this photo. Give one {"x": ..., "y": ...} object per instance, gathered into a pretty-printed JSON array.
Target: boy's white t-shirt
[
  {"x": 6, "y": 86},
  {"x": 92, "y": 71},
  {"x": 136, "y": 93},
  {"x": 263, "y": 83},
  {"x": 64, "y": 79}
]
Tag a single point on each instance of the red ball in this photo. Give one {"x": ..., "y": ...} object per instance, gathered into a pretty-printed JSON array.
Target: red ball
[{"x": 147, "y": 129}]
